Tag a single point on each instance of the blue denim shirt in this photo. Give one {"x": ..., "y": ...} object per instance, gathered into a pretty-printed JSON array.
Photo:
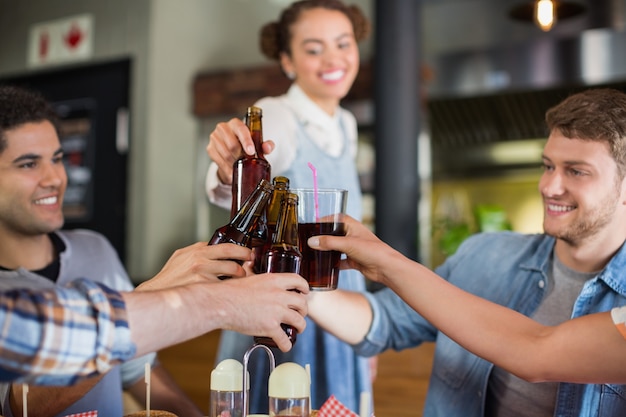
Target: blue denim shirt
[{"x": 510, "y": 269}]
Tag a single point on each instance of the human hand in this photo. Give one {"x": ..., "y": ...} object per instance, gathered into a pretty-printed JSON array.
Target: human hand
[
  {"x": 226, "y": 144},
  {"x": 199, "y": 262},
  {"x": 259, "y": 304},
  {"x": 364, "y": 250}
]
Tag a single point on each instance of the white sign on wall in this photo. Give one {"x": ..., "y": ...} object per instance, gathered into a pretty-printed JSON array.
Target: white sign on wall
[{"x": 61, "y": 41}]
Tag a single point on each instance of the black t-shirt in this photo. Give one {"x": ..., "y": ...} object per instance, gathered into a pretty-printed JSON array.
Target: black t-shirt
[{"x": 50, "y": 271}]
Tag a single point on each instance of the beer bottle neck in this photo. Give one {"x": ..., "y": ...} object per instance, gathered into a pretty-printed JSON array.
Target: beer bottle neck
[
  {"x": 253, "y": 121},
  {"x": 246, "y": 219},
  {"x": 287, "y": 226}
]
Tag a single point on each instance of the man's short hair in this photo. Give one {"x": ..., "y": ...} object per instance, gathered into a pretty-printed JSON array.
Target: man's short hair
[
  {"x": 19, "y": 106},
  {"x": 597, "y": 114}
]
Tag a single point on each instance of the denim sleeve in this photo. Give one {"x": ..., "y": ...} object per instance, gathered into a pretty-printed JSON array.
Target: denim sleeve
[{"x": 395, "y": 325}]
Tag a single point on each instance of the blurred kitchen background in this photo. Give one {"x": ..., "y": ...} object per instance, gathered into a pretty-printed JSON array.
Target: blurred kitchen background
[{"x": 450, "y": 102}]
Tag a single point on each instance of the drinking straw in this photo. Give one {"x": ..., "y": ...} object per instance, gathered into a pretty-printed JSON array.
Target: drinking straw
[
  {"x": 364, "y": 404},
  {"x": 147, "y": 379},
  {"x": 317, "y": 205},
  {"x": 24, "y": 400}
]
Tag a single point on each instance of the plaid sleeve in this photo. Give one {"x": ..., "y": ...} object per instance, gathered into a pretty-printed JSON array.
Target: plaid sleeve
[
  {"x": 619, "y": 318},
  {"x": 52, "y": 337}
]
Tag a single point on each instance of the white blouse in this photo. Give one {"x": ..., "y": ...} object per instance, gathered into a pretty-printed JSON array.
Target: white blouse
[{"x": 282, "y": 117}]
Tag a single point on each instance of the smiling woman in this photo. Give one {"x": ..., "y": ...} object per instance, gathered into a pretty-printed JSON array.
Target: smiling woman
[{"x": 315, "y": 43}]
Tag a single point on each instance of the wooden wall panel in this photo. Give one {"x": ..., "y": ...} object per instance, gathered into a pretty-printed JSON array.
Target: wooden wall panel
[{"x": 225, "y": 93}]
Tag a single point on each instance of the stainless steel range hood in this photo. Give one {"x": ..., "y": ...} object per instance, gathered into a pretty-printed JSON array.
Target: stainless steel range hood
[{"x": 486, "y": 105}]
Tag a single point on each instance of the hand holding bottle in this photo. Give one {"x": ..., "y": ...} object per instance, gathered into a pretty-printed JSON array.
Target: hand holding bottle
[
  {"x": 199, "y": 262},
  {"x": 281, "y": 297},
  {"x": 249, "y": 170},
  {"x": 228, "y": 142}
]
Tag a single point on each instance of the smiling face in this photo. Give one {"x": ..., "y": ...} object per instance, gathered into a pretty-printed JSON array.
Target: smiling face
[
  {"x": 582, "y": 191},
  {"x": 324, "y": 56},
  {"x": 32, "y": 180}
]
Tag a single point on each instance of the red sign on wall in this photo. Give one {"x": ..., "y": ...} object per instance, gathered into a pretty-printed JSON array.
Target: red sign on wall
[{"x": 61, "y": 41}]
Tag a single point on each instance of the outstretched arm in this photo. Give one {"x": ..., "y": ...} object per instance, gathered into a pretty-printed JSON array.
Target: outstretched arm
[
  {"x": 40, "y": 328},
  {"x": 254, "y": 305},
  {"x": 344, "y": 314},
  {"x": 587, "y": 349}
]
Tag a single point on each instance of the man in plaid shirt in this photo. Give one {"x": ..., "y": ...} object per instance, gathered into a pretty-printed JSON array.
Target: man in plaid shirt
[
  {"x": 35, "y": 253},
  {"x": 56, "y": 336}
]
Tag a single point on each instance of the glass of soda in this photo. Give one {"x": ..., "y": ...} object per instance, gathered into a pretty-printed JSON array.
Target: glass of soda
[{"x": 320, "y": 212}]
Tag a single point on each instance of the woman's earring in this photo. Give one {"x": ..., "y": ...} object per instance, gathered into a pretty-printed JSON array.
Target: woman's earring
[{"x": 291, "y": 75}]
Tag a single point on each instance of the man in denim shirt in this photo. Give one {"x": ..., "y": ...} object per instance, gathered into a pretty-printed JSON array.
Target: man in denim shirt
[{"x": 576, "y": 268}]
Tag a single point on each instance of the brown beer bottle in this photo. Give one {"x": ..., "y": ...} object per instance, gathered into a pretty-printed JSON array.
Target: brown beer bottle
[
  {"x": 249, "y": 170},
  {"x": 241, "y": 228},
  {"x": 284, "y": 255},
  {"x": 281, "y": 188}
]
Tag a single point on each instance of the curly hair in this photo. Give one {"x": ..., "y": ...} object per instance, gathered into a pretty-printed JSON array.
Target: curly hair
[
  {"x": 594, "y": 115},
  {"x": 19, "y": 106},
  {"x": 276, "y": 36}
]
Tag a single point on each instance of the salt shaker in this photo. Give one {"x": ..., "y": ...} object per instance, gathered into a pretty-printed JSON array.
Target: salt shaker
[
  {"x": 289, "y": 391},
  {"x": 227, "y": 389}
]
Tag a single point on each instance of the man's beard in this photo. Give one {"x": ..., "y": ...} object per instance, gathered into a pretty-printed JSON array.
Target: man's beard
[{"x": 588, "y": 225}]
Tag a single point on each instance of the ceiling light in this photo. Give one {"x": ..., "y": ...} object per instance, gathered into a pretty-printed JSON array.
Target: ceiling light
[{"x": 545, "y": 13}]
